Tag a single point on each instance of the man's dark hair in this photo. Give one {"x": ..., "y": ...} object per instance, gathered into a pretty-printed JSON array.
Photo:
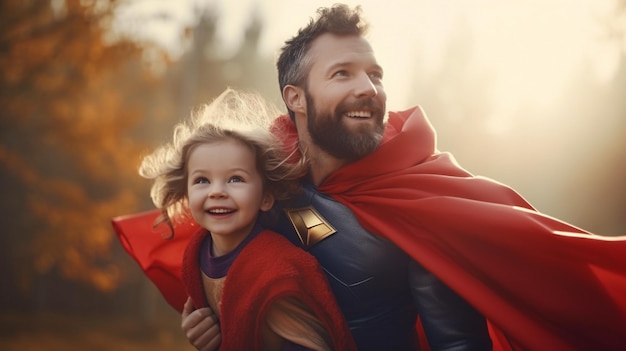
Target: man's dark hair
[{"x": 293, "y": 63}]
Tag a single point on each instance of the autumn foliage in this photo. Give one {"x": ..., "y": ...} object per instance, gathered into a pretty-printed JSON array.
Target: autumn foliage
[
  {"x": 67, "y": 152},
  {"x": 80, "y": 104}
]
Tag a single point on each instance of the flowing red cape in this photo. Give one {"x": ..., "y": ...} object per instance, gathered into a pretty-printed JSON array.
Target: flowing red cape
[
  {"x": 157, "y": 251},
  {"x": 541, "y": 283}
]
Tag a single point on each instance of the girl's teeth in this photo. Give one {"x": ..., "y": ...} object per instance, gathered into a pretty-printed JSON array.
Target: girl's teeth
[{"x": 218, "y": 211}]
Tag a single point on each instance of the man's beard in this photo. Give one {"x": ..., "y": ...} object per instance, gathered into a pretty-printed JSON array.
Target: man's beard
[{"x": 329, "y": 132}]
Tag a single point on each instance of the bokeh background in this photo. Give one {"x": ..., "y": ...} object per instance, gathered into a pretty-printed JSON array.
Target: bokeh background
[{"x": 530, "y": 93}]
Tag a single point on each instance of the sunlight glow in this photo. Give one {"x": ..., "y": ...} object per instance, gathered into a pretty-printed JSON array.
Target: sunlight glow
[{"x": 529, "y": 48}]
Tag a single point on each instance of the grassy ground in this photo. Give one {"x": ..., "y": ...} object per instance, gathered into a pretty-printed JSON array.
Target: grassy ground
[{"x": 67, "y": 333}]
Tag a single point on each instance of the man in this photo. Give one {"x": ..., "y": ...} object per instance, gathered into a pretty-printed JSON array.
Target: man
[{"x": 403, "y": 232}]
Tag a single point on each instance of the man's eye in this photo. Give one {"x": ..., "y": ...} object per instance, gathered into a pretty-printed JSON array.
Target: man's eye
[{"x": 376, "y": 75}]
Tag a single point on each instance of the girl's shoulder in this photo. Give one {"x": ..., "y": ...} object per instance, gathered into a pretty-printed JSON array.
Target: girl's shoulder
[{"x": 272, "y": 252}]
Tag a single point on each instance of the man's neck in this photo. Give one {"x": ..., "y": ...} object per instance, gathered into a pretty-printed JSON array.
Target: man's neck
[{"x": 322, "y": 165}]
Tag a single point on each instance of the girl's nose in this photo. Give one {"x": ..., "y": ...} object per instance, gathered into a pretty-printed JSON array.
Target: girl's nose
[{"x": 216, "y": 191}]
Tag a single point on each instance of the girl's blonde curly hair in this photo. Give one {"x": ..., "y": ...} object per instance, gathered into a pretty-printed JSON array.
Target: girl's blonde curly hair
[{"x": 243, "y": 116}]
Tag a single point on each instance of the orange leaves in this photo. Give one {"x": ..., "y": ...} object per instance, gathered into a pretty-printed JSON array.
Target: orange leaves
[
  {"x": 75, "y": 237},
  {"x": 66, "y": 138}
]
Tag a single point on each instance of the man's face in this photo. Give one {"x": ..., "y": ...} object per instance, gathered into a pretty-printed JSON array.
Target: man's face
[{"x": 345, "y": 97}]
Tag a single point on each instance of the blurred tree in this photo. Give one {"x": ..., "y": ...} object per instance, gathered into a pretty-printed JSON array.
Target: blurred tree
[
  {"x": 605, "y": 128},
  {"x": 68, "y": 154},
  {"x": 205, "y": 70},
  {"x": 80, "y": 105}
]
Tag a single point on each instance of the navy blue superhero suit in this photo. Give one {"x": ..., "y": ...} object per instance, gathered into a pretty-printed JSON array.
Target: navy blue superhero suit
[{"x": 380, "y": 290}]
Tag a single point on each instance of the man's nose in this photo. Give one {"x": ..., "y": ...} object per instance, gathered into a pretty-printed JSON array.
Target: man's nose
[{"x": 365, "y": 86}]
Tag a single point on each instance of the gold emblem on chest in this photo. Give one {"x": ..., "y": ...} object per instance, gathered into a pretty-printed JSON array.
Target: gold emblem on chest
[{"x": 310, "y": 226}]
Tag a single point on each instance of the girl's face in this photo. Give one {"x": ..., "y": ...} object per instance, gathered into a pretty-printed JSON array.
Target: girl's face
[{"x": 225, "y": 191}]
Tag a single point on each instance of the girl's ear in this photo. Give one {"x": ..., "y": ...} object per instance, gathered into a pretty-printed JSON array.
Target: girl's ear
[
  {"x": 267, "y": 202},
  {"x": 294, "y": 99}
]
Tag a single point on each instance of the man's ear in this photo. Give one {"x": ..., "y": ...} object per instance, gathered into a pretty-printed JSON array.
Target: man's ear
[
  {"x": 294, "y": 98},
  {"x": 267, "y": 202}
]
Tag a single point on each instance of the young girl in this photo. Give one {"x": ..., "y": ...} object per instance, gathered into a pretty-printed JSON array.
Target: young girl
[{"x": 224, "y": 168}]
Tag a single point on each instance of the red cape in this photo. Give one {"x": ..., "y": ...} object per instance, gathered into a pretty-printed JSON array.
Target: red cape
[
  {"x": 544, "y": 284},
  {"x": 160, "y": 258},
  {"x": 269, "y": 267}
]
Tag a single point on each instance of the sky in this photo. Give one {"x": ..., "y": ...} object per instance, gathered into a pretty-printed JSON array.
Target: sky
[{"x": 530, "y": 47}]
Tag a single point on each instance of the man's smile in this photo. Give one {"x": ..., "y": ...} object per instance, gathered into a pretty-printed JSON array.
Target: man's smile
[{"x": 359, "y": 114}]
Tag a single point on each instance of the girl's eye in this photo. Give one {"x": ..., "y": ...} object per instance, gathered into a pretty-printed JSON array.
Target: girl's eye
[
  {"x": 342, "y": 73},
  {"x": 235, "y": 179},
  {"x": 201, "y": 180}
]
